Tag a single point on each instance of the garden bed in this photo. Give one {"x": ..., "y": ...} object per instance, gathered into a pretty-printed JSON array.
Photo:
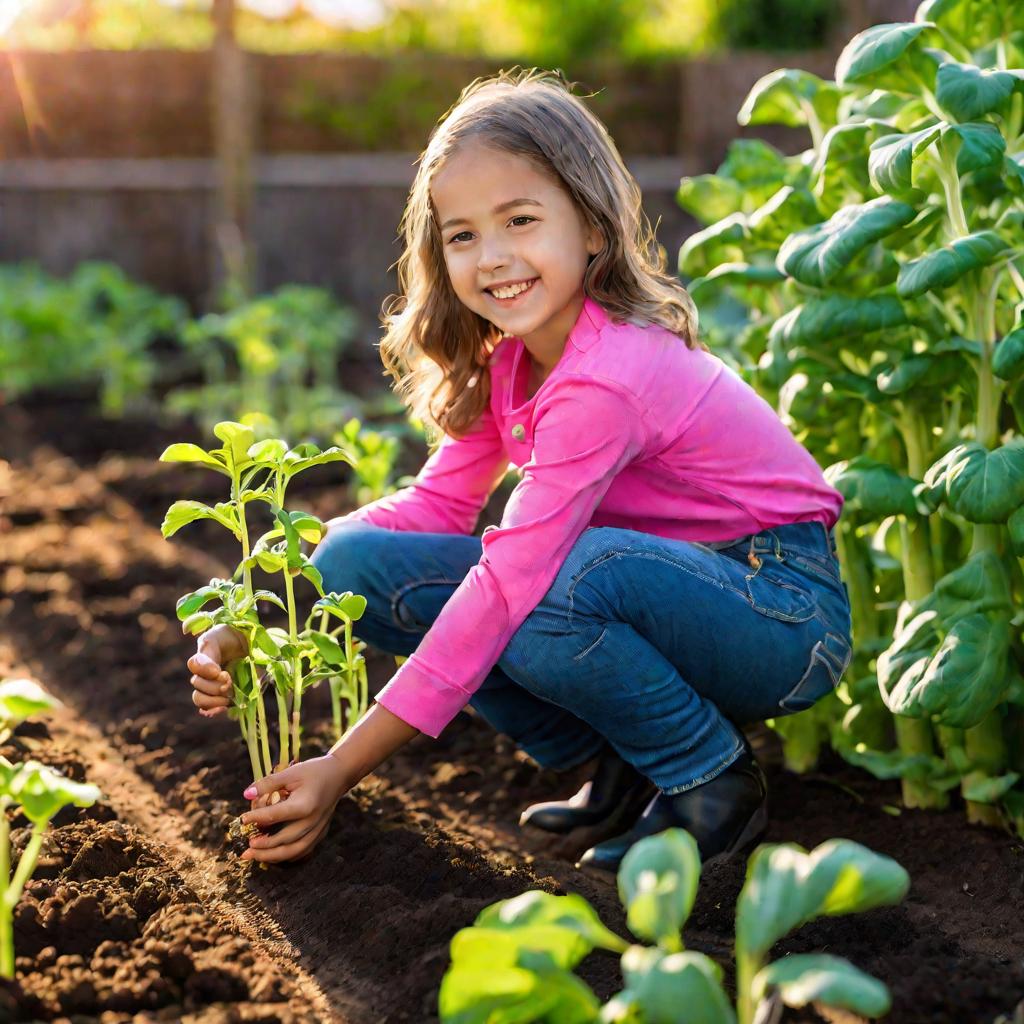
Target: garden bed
[{"x": 140, "y": 907}]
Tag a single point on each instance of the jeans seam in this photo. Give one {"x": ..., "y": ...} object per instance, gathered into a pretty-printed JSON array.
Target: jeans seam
[
  {"x": 643, "y": 554},
  {"x": 707, "y": 776},
  {"x": 399, "y": 594}
]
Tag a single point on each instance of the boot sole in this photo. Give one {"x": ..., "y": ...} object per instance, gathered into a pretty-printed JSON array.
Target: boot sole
[
  {"x": 751, "y": 835},
  {"x": 575, "y": 841}
]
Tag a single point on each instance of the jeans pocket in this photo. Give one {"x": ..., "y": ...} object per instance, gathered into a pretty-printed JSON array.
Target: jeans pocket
[
  {"x": 829, "y": 659},
  {"x": 770, "y": 595}
]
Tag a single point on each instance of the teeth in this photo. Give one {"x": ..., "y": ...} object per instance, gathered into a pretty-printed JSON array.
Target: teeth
[{"x": 510, "y": 292}]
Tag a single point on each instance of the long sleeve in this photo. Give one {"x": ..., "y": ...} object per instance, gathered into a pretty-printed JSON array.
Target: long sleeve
[
  {"x": 585, "y": 431},
  {"x": 450, "y": 490}
]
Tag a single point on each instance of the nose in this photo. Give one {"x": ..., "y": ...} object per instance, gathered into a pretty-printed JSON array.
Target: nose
[{"x": 492, "y": 256}]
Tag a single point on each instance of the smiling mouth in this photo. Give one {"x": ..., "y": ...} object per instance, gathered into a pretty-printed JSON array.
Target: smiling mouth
[{"x": 511, "y": 299}]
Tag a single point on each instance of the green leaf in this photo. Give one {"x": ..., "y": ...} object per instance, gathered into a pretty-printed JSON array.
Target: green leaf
[
  {"x": 1015, "y": 524},
  {"x": 238, "y": 439},
  {"x": 263, "y": 641},
  {"x": 872, "y": 487},
  {"x": 967, "y": 92},
  {"x": 719, "y": 243},
  {"x": 330, "y": 650},
  {"x": 786, "y": 887},
  {"x": 310, "y": 571},
  {"x": 837, "y": 316},
  {"x": 193, "y": 453},
  {"x": 344, "y": 606},
  {"x": 657, "y": 885},
  {"x": 1008, "y": 359},
  {"x": 982, "y": 486},
  {"x": 959, "y": 683},
  {"x": 536, "y": 908},
  {"x": 891, "y": 159},
  {"x": 181, "y": 513},
  {"x": 306, "y": 456},
  {"x": 198, "y": 623},
  {"x": 977, "y": 145},
  {"x": 22, "y": 698},
  {"x": 989, "y": 790},
  {"x": 816, "y": 255},
  {"x": 188, "y": 604},
  {"x": 878, "y": 56},
  {"x": 659, "y": 985},
  {"x": 818, "y": 978},
  {"x": 268, "y": 452},
  {"x": 741, "y": 276},
  {"x": 939, "y": 269},
  {"x": 784, "y": 96},
  {"x": 41, "y": 792},
  {"x": 534, "y": 946},
  {"x": 710, "y": 197},
  {"x": 840, "y": 167}
]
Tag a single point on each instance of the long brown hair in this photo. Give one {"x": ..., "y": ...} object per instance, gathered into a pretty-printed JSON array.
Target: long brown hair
[{"x": 433, "y": 345}]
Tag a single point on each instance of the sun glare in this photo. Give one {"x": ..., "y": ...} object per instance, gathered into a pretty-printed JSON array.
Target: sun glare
[{"x": 9, "y": 13}]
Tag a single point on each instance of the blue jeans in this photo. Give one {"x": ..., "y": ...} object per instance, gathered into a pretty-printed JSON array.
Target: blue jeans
[{"x": 659, "y": 647}]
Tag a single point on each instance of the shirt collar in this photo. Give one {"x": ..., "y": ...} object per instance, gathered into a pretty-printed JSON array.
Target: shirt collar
[{"x": 588, "y": 325}]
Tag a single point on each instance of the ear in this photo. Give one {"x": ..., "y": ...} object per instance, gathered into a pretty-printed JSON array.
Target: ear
[{"x": 595, "y": 240}]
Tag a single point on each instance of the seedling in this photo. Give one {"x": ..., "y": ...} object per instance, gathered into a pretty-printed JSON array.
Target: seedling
[
  {"x": 35, "y": 790},
  {"x": 515, "y": 963},
  {"x": 291, "y": 660}
]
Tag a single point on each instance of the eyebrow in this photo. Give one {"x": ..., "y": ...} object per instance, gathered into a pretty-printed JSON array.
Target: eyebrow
[{"x": 500, "y": 208}]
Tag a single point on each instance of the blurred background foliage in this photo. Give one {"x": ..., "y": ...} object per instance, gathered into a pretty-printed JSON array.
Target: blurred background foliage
[{"x": 533, "y": 30}]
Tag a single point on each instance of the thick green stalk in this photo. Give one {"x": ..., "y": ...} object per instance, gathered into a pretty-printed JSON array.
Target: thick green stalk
[
  {"x": 747, "y": 967},
  {"x": 914, "y": 735},
  {"x": 985, "y": 743},
  {"x": 283, "y": 758},
  {"x": 857, "y": 574},
  {"x": 13, "y": 891}
]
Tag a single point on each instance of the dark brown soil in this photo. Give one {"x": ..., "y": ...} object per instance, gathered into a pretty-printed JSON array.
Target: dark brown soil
[{"x": 140, "y": 906}]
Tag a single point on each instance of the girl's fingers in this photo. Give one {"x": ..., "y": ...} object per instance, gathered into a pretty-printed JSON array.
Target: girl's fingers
[
  {"x": 212, "y": 712},
  {"x": 205, "y": 702},
  {"x": 206, "y": 667},
  {"x": 213, "y": 687},
  {"x": 290, "y": 852},
  {"x": 292, "y": 809},
  {"x": 285, "y": 836}
]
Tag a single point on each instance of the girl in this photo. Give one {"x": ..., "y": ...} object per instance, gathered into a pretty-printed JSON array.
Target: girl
[{"x": 665, "y": 569}]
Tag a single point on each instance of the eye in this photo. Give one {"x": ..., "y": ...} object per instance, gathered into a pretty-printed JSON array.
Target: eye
[
  {"x": 522, "y": 216},
  {"x": 455, "y": 238}
]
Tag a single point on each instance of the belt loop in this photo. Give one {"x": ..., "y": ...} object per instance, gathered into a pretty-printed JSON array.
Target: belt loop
[
  {"x": 778, "y": 547},
  {"x": 755, "y": 562}
]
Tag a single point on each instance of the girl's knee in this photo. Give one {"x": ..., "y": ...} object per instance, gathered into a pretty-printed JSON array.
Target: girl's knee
[{"x": 346, "y": 553}]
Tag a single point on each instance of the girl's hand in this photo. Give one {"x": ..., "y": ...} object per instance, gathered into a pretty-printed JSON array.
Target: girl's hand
[
  {"x": 310, "y": 791},
  {"x": 211, "y": 685}
]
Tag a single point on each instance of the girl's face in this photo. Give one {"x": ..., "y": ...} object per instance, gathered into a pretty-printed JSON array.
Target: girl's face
[{"x": 504, "y": 225}]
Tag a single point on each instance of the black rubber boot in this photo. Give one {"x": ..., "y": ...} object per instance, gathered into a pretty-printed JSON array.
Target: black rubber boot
[
  {"x": 615, "y": 796},
  {"x": 727, "y": 816}
]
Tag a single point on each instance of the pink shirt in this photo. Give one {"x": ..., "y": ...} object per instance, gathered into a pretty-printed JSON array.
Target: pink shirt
[{"x": 631, "y": 429}]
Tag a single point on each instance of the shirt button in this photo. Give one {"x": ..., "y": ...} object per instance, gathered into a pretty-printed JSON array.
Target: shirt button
[{"x": 519, "y": 432}]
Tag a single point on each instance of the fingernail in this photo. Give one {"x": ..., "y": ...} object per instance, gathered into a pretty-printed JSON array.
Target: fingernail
[
  {"x": 250, "y": 793},
  {"x": 225, "y": 690}
]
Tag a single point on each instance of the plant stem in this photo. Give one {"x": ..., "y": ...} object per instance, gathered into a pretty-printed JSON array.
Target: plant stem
[
  {"x": 857, "y": 575},
  {"x": 296, "y": 666},
  {"x": 986, "y": 746},
  {"x": 250, "y": 743},
  {"x": 984, "y": 742},
  {"x": 914, "y": 735},
  {"x": 747, "y": 967},
  {"x": 261, "y": 720},
  {"x": 7, "y": 922},
  {"x": 12, "y": 893},
  {"x": 282, "y": 728}
]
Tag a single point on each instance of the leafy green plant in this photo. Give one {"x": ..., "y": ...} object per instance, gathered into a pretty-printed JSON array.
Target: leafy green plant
[
  {"x": 36, "y": 792},
  {"x": 95, "y": 327},
  {"x": 879, "y": 275},
  {"x": 271, "y": 362},
  {"x": 291, "y": 659},
  {"x": 374, "y": 454},
  {"x": 515, "y": 962}
]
